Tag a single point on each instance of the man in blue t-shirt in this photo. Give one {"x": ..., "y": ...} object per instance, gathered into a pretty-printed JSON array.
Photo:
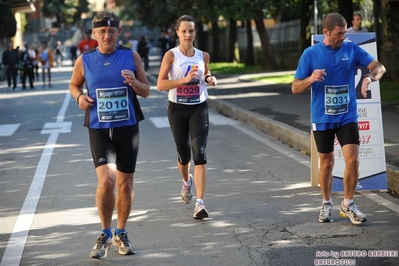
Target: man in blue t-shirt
[{"x": 329, "y": 67}]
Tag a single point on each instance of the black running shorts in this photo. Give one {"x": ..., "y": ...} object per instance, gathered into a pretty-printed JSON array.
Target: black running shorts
[
  {"x": 346, "y": 134},
  {"x": 115, "y": 145}
]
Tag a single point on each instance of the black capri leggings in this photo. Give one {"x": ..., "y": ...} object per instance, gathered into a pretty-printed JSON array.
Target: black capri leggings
[{"x": 189, "y": 121}]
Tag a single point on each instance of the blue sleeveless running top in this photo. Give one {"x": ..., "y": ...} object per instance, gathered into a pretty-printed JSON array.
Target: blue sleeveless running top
[{"x": 115, "y": 103}]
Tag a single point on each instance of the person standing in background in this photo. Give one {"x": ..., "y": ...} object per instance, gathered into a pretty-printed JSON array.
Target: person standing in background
[
  {"x": 47, "y": 62},
  {"x": 143, "y": 48},
  {"x": 87, "y": 44},
  {"x": 59, "y": 51},
  {"x": 36, "y": 63},
  {"x": 74, "y": 54},
  {"x": 172, "y": 41},
  {"x": 133, "y": 44},
  {"x": 163, "y": 44},
  {"x": 10, "y": 61},
  {"x": 28, "y": 56},
  {"x": 184, "y": 72},
  {"x": 357, "y": 25}
]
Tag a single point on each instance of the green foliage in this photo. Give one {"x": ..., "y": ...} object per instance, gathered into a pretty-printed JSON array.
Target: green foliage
[
  {"x": 8, "y": 24},
  {"x": 280, "y": 79},
  {"x": 67, "y": 11},
  {"x": 389, "y": 91},
  {"x": 225, "y": 68}
]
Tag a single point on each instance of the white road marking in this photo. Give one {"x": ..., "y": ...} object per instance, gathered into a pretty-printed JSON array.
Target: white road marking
[
  {"x": 8, "y": 129},
  {"x": 160, "y": 122},
  {"x": 16, "y": 244},
  {"x": 214, "y": 119},
  {"x": 57, "y": 127}
]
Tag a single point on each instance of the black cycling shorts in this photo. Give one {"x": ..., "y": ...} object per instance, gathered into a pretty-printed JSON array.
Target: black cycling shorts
[
  {"x": 346, "y": 134},
  {"x": 119, "y": 146}
]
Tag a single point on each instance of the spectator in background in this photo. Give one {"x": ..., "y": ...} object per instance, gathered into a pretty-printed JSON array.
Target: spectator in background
[
  {"x": 10, "y": 60},
  {"x": 133, "y": 44},
  {"x": 143, "y": 48},
  {"x": 172, "y": 42},
  {"x": 163, "y": 44},
  {"x": 59, "y": 51},
  {"x": 28, "y": 56},
  {"x": 47, "y": 62},
  {"x": 87, "y": 44},
  {"x": 74, "y": 54},
  {"x": 36, "y": 63},
  {"x": 357, "y": 25}
]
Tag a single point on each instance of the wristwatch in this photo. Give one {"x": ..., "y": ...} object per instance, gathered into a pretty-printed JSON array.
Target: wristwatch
[{"x": 368, "y": 76}]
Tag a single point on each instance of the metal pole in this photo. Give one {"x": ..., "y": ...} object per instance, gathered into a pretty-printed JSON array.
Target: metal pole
[{"x": 315, "y": 17}]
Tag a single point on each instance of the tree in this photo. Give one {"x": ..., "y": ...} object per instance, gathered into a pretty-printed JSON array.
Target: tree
[
  {"x": 232, "y": 40},
  {"x": 8, "y": 24},
  {"x": 65, "y": 11},
  {"x": 345, "y": 8},
  {"x": 305, "y": 7},
  {"x": 250, "y": 53}
]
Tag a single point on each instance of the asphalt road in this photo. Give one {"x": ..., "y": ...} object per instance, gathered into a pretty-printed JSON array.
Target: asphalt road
[{"x": 262, "y": 208}]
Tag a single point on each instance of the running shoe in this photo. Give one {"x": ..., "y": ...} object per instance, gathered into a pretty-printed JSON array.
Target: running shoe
[
  {"x": 352, "y": 212},
  {"x": 186, "y": 194},
  {"x": 101, "y": 247},
  {"x": 122, "y": 242},
  {"x": 200, "y": 212},
  {"x": 325, "y": 213}
]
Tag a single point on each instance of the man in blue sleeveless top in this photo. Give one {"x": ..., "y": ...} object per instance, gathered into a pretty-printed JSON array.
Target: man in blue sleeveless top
[
  {"x": 114, "y": 77},
  {"x": 329, "y": 67}
]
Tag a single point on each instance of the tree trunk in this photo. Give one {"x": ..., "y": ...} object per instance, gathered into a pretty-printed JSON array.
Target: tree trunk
[
  {"x": 345, "y": 8},
  {"x": 249, "y": 57},
  {"x": 232, "y": 40},
  {"x": 267, "y": 55},
  {"x": 201, "y": 37},
  {"x": 215, "y": 41},
  {"x": 304, "y": 36},
  {"x": 377, "y": 10}
]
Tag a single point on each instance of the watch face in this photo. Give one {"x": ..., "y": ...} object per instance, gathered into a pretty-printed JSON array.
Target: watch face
[{"x": 193, "y": 81}]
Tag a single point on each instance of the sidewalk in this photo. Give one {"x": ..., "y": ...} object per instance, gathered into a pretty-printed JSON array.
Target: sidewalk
[{"x": 275, "y": 110}]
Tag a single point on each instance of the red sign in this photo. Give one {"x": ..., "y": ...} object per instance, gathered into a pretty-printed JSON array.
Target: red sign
[{"x": 364, "y": 125}]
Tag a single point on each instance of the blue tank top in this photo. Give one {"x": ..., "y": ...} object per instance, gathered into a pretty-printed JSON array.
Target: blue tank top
[
  {"x": 334, "y": 99},
  {"x": 115, "y": 103}
]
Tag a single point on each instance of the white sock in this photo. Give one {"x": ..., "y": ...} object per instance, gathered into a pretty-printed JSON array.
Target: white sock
[
  {"x": 188, "y": 183},
  {"x": 327, "y": 201},
  {"x": 347, "y": 202},
  {"x": 200, "y": 201}
]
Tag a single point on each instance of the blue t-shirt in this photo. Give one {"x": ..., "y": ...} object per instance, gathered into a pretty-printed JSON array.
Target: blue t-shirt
[
  {"x": 334, "y": 99},
  {"x": 115, "y": 103}
]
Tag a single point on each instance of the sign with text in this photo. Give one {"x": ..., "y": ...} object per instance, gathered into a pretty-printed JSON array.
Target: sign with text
[{"x": 372, "y": 171}]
